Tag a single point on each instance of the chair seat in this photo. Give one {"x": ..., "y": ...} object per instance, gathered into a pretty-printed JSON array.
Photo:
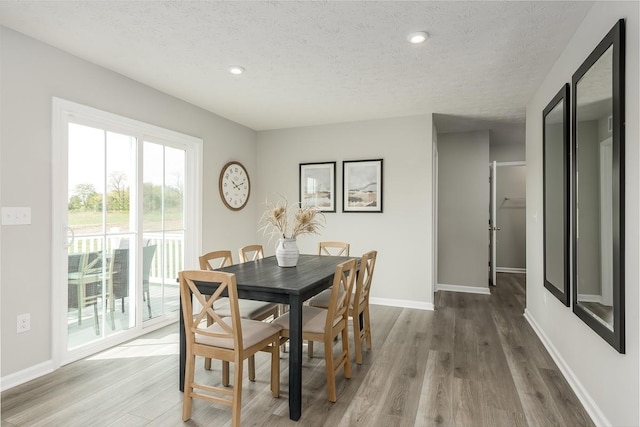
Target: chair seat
[
  {"x": 313, "y": 320},
  {"x": 253, "y": 331},
  {"x": 249, "y": 309},
  {"x": 322, "y": 299}
]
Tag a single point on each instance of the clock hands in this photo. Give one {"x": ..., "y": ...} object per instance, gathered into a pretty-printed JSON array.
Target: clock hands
[{"x": 236, "y": 186}]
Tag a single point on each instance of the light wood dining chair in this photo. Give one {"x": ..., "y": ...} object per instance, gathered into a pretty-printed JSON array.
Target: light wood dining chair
[
  {"x": 250, "y": 253},
  {"x": 328, "y": 249},
  {"x": 231, "y": 339},
  {"x": 249, "y": 309},
  {"x": 333, "y": 248},
  {"x": 359, "y": 306},
  {"x": 323, "y": 325}
]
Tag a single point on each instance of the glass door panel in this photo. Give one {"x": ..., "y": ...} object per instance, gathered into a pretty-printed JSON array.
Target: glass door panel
[
  {"x": 163, "y": 226},
  {"x": 101, "y": 170}
]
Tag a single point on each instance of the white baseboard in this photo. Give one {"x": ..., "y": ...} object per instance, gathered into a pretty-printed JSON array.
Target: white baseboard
[
  {"x": 402, "y": 303},
  {"x": 511, "y": 270},
  {"x": 465, "y": 289},
  {"x": 26, "y": 375},
  {"x": 590, "y": 406}
]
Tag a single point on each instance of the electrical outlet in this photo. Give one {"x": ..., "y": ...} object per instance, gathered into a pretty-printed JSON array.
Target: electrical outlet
[{"x": 24, "y": 322}]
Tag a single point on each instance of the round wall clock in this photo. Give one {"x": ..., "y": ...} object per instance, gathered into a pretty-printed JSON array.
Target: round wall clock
[{"x": 234, "y": 185}]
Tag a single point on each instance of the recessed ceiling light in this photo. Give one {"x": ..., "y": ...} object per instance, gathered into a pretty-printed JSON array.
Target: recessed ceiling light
[
  {"x": 236, "y": 70},
  {"x": 418, "y": 37}
]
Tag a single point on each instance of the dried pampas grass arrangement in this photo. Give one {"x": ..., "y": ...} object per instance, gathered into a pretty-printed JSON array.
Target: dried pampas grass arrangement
[{"x": 306, "y": 220}]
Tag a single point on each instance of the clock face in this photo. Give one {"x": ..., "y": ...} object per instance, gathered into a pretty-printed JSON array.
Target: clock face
[{"x": 235, "y": 186}]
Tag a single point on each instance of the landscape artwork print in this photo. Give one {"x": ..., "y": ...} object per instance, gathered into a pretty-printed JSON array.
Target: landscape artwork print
[
  {"x": 318, "y": 186},
  {"x": 362, "y": 186}
]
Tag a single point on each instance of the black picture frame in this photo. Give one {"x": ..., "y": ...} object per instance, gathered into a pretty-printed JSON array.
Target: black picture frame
[
  {"x": 317, "y": 185},
  {"x": 614, "y": 334},
  {"x": 555, "y": 177},
  {"x": 362, "y": 188}
]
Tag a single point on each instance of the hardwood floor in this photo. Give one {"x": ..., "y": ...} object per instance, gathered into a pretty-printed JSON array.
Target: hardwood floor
[{"x": 474, "y": 361}]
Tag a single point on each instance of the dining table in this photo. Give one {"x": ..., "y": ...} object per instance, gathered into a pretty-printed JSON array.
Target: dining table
[{"x": 264, "y": 280}]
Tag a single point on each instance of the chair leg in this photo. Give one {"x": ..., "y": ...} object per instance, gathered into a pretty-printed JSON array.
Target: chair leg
[
  {"x": 207, "y": 360},
  {"x": 357, "y": 338},
  {"x": 122, "y": 299},
  {"x": 345, "y": 352},
  {"x": 310, "y": 349},
  {"x": 225, "y": 373},
  {"x": 149, "y": 302},
  {"x": 252, "y": 368},
  {"x": 96, "y": 321},
  {"x": 113, "y": 319},
  {"x": 275, "y": 370},
  {"x": 367, "y": 326},
  {"x": 79, "y": 308},
  {"x": 331, "y": 375},
  {"x": 237, "y": 393},
  {"x": 188, "y": 387}
]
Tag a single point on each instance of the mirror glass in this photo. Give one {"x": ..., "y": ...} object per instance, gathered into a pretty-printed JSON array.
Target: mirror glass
[
  {"x": 555, "y": 174},
  {"x": 598, "y": 192}
]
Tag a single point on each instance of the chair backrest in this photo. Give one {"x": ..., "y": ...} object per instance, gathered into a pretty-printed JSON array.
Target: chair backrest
[
  {"x": 74, "y": 263},
  {"x": 250, "y": 253},
  {"x": 365, "y": 276},
  {"x": 92, "y": 263},
  {"x": 119, "y": 272},
  {"x": 215, "y": 259},
  {"x": 333, "y": 248},
  {"x": 230, "y": 336},
  {"x": 340, "y": 293}
]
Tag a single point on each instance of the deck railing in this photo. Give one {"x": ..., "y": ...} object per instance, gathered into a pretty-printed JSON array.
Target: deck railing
[{"x": 166, "y": 263}]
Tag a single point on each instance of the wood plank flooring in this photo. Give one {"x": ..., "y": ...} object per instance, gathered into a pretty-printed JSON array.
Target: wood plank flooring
[{"x": 474, "y": 361}]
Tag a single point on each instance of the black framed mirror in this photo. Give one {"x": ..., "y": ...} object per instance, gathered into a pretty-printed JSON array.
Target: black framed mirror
[
  {"x": 598, "y": 189},
  {"x": 555, "y": 175}
]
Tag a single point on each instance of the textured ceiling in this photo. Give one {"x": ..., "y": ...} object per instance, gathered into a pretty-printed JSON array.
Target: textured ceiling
[{"x": 317, "y": 62}]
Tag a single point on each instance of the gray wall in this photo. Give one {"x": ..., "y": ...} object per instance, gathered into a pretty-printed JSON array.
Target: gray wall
[
  {"x": 402, "y": 233},
  {"x": 463, "y": 208},
  {"x": 607, "y": 382},
  {"x": 31, "y": 73}
]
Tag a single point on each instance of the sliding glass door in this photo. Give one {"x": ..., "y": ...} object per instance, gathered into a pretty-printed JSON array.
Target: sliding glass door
[{"x": 124, "y": 191}]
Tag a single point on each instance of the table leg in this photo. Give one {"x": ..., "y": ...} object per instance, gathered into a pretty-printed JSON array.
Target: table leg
[
  {"x": 183, "y": 349},
  {"x": 295, "y": 357}
]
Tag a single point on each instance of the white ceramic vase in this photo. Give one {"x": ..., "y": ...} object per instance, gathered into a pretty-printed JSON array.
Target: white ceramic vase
[{"x": 287, "y": 253}]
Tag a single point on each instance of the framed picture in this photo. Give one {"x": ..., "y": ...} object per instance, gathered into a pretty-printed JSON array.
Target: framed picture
[
  {"x": 362, "y": 186},
  {"x": 318, "y": 185}
]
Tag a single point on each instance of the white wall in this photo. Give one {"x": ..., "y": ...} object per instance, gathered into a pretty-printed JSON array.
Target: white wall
[
  {"x": 402, "y": 234},
  {"x": 463, "y": 210},
  {"x": 31, "y": 73},
  {"x": 606, "y": 381}
]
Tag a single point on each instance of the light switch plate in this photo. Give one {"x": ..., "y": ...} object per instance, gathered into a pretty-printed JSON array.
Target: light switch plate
[{"x": 16, "y": 216}]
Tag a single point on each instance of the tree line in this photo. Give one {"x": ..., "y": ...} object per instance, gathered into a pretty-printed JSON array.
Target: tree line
[{"x": 85, "y": 197}]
